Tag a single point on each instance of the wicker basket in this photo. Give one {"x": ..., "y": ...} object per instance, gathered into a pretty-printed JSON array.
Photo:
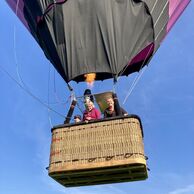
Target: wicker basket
[{"x": 104, "y": 151}]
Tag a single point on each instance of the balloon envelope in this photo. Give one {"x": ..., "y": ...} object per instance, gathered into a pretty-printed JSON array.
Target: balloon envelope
[{"x": 107, "y": 37}]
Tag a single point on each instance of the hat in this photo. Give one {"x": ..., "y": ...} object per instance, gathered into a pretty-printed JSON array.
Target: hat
[
  {"x": 77, "y": 116},
  {"x": 87, "y": 94}
]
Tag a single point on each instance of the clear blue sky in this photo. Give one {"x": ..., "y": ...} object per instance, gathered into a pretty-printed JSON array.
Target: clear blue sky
[{"x": 163, "y": 98}]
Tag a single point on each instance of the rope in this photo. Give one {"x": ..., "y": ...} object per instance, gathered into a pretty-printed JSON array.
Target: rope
[
  {"x": 49, "y": 116},
  {"x": 28, "y": 92},
  {"x": 135, "y": 81},
  {"x": 137, "y": 77},
  {"x": 21, "y": 83},
  {"x": 58, "y": 100},
  {"x": 14, "y": 49},
  {"x": 114, "y": 89},
  {"x": 161, "y": 13}
]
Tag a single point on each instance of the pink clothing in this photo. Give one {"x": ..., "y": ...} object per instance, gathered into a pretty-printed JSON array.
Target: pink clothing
[{"x": 93, "y": 114}]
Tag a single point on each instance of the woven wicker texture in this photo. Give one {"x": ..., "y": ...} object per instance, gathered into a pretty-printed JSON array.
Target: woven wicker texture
[
  {"x": 108, "y": 151},
  {"x": 103, "y": 143}
]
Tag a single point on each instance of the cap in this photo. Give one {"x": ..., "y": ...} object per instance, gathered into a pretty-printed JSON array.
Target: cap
[{"x": 88, "y": 93}]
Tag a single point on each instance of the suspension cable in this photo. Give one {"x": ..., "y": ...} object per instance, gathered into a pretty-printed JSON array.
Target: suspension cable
[
  {"x": 133, "y": 84},
  {"x": 48, "y": 95},
  {"x": 58, "y": 100},
  {"x": 137, "y": 77},
  {"x": 21, "y": 82},
  {"x": 28, "y": 92},
  {"x": 14, "y": 49},
  {"x": 135, "y": 81}
]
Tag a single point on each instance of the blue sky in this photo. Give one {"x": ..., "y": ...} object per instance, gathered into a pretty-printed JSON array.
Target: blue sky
[{"x": 163, "y": 98}]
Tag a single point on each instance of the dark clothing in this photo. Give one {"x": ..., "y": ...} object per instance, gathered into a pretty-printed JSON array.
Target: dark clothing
[{"x": 108, "y": 113}]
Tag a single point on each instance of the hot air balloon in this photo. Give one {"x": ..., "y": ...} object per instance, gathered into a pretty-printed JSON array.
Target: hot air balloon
[{"x": 110, "y": 38}]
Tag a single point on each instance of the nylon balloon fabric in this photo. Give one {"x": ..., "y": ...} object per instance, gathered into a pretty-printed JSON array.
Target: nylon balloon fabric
[{"x": 110, "y": 38}]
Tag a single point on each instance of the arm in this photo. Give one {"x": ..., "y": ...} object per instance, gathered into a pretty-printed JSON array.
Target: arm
[{"x": 124, "y": 112}]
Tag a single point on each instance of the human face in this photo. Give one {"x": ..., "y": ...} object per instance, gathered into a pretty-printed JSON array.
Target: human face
[
  {"x": 89, "y": 105},
  {"x": 110, "y": 102},
  {"x": 77, "y": 120}
]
